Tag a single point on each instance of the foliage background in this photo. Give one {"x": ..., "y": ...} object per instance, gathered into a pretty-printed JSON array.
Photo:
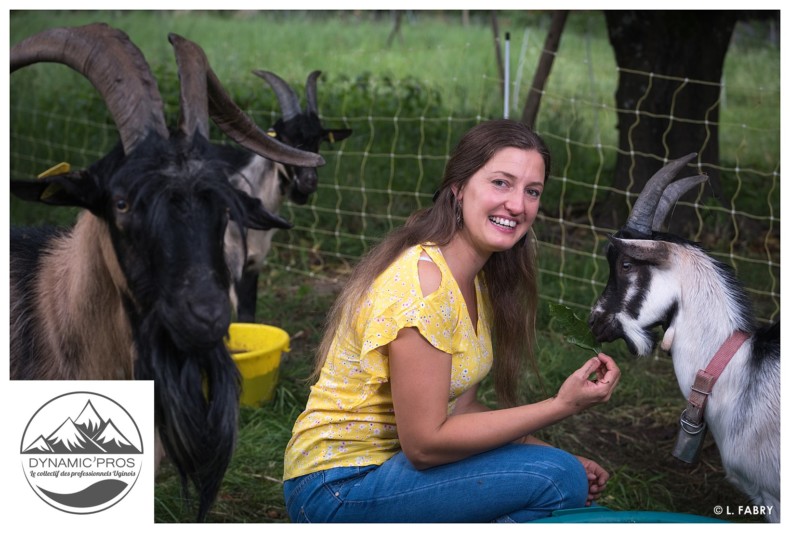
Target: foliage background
[{"x": 408, "y": 102}]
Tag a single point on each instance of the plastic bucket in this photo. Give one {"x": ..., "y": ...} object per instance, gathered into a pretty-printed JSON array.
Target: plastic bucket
[{"x": 257, "y": 349}]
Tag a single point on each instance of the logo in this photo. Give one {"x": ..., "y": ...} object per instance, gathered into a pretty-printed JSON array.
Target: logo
[{"x": 81, "y": 452}]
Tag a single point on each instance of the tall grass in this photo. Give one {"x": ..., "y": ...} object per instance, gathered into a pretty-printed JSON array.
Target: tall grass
[{"x": 408, "y": 103}]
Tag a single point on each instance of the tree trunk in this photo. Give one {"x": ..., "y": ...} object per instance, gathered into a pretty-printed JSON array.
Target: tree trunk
[
  {"x": 398, "y": 16},
  {"x": 498, "y": 51},
  {"x": 550, "y": 47},
  {"x": 660, "y": 113}
]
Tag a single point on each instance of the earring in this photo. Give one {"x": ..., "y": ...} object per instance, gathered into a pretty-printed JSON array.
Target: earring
[{"x": 459, "y": 216}]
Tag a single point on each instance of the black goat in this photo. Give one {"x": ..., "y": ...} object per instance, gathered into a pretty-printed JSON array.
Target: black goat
[
  {"x": 271, "y": 182},
  {"x": 657, "y": 279},
  {"x": 138, "y": 288}
]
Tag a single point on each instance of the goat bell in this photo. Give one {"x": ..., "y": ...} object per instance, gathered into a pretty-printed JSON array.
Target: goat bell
[{"x": 690, "y": 439}]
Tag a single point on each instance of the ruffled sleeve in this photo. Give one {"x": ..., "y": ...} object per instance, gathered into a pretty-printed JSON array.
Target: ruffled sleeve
[{"x": 395, "y": 302}]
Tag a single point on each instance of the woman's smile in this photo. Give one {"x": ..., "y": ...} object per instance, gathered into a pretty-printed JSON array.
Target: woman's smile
[
  {"x": 500, "y": 201},
  {"x": 502, "y": 222}
]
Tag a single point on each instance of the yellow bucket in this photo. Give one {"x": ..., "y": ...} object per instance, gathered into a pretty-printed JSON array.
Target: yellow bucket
[{"x": 256, "y": 349}]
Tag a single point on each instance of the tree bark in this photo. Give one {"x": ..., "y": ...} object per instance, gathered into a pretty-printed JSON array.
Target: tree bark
[{"x": 668, "y": 99}]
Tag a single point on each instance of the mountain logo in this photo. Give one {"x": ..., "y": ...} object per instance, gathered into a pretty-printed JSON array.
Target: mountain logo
[{"x": 81, "y": 452}]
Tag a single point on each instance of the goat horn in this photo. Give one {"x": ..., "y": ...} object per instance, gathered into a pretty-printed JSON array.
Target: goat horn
[
  {"x": 286, "y": 96},
  {"x": 115, "y": 67},
  {"x": 192, "y": 68},
  {"x": 671, "y": 195},
  {"x": 237, "y": 125},
  {"x": 311, "y": 91},
  {"x": 641, "y": 217}
]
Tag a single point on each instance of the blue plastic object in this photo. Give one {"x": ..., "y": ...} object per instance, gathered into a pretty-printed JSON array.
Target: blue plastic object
[{"x": 602, "y": 515}]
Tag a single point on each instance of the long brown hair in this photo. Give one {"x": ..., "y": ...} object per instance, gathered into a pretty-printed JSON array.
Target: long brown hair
[{"x": 510, "y": 276}]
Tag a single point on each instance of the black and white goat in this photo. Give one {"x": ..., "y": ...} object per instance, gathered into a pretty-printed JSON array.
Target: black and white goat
[
  {"x": 657, "y": 279},
  {"x": 138, "y": 288},
  {"x": 271, "y": 182}
]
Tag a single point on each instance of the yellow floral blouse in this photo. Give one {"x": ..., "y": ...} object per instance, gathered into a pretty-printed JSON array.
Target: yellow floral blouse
[{"x": 349, "y": 418}]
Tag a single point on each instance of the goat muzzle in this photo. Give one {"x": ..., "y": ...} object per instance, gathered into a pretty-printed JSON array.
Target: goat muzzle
[
  {"x": 198, "y": 319},
  {"x": 306, "y": 180},
  {"x": 604, "y": 327}
]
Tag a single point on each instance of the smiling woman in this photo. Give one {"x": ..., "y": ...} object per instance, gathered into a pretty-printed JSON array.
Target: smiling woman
[
  {"x": 503, "y": 196},
  {"x": 393, "y": 430}
]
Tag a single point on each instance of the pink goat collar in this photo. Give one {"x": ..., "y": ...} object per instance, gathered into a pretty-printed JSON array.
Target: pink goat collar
[
  {"x": 703, "y": 383},
  {"x": 691, "y": 435}
]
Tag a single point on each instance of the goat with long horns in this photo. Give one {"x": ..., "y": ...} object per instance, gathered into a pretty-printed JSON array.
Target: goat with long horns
[
  {"x": 271, "y": 182},
  {"x": 138, "y": 288}
]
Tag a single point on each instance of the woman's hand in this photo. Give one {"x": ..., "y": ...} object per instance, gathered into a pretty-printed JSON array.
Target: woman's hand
[
  {"x": 581, "y": 392},
  {"x": 596, "y": 479}
]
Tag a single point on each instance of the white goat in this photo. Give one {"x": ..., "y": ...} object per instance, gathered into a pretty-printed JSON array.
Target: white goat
[{"x": 661, "y": 279}]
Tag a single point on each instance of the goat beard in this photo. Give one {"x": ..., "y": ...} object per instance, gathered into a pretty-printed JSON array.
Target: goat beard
[{"x": 196, "y": 403}]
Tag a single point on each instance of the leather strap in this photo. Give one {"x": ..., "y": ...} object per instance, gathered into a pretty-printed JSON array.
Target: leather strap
[{"x": 705, "y": 379}]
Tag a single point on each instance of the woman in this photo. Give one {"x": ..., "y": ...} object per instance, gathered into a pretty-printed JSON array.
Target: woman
[{"x": 393, "y": 430}]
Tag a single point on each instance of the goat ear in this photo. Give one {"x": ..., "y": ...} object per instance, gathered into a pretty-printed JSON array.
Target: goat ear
[
  {"x": 647, "y": 250},
  {"x": 73, "y": 189},
  {"x": 258, "y": 217},
  {"x": 333, "y": 136}
]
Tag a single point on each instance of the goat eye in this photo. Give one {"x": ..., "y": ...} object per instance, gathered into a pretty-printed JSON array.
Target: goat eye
[
  {"x": 121, "y": 205},
  {"x": 625, "y": 265}
]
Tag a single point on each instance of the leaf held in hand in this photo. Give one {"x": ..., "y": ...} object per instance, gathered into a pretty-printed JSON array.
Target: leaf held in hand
[{"x": 575, "y": 329}]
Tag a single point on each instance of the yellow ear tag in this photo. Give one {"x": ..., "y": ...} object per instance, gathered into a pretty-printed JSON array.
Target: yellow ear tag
[
  {"x": 331, "y": 138},
  {"x": 271, "y": 133},
  {"x": 60, "y": 168}
]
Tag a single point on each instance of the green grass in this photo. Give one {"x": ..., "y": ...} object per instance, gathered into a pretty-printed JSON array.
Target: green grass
[{"x": 408, "y": 104}]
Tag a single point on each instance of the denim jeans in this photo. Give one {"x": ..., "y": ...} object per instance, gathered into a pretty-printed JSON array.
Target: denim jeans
[{"x": 514, "y": 483}]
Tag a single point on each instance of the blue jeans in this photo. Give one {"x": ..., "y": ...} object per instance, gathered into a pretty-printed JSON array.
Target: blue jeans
[{"x": 514, "y": 483}]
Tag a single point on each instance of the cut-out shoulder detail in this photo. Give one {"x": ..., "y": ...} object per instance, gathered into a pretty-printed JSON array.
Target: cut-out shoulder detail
[{"x": 429, "y": 274}]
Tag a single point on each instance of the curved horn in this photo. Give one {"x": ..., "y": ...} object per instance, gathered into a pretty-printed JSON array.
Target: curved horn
[
  {"x": 192, "y": 68},
  {"x": 311, "y": 91},
  {"x": 115, "y": 67},
  {"x": 671, "y": 195},
  {"x": 289, "y": 100},
  {"x": 237, "y": 125},
  {"x": 641, "y": 217}
]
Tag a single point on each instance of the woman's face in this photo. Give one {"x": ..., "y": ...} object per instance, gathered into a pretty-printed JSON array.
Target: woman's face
[{"x": 501, "y": 200}]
